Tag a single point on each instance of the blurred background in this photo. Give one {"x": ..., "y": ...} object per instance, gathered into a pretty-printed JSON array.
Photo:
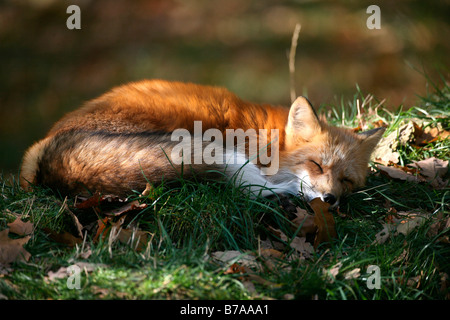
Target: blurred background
[{"x": 47, "y": 69}]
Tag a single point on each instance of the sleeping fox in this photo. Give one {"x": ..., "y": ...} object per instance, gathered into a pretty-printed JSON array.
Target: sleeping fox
[{"x": 125, "y": 138}]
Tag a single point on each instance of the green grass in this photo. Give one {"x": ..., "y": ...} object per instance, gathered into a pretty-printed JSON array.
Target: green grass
[{"x": 189, "y": 220}]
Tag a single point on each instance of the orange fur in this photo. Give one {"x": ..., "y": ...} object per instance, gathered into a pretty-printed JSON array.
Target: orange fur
[{"x": 113, "y": 141}]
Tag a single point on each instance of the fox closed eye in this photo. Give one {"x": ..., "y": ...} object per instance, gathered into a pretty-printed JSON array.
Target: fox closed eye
[
  {"x": 347, "y": 180},
  {"x": 318, "y": 166}
]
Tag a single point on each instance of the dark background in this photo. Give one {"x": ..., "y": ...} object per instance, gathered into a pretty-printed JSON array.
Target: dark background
[{"x": 47, "y": 70}]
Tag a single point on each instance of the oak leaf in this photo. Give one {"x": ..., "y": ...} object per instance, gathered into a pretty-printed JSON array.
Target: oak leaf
[
  {"x": 400, "y": 174},
  {"x": 12, "y": 250},
  {"x": 298, "y": 243},
  {"x": 324, "y": 221},
  {"x": 305, "y": 221},
  {"x": 20, "y": 228},
  {"x": 433, "y": 170}
]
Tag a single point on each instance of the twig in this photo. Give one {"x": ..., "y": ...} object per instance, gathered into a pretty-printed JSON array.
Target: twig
[{"x": 292, "y": 53}]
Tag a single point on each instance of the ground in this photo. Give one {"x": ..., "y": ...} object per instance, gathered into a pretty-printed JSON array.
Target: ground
[{"x": 205, "y": 240}]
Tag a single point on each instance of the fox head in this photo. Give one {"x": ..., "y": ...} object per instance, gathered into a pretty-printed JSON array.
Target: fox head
[{"x": 327, "y": 160}]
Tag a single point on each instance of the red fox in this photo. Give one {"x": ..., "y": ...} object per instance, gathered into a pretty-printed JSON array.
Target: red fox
[{"x": 125, "y": 138}]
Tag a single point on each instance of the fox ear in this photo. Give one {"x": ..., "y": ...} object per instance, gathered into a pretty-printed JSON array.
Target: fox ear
[
  {"x": 371, "y": 138},
  {"x": 303, "y": 122}
]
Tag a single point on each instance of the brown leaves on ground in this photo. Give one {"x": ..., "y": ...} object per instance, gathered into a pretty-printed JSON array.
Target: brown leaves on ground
[
  {"x": 405, "y": 222},
  {"x": 431, "y": 170},
  {"x": 276, "y": 254},
  {"x": 20, "y": 228},
  {"x": 416, "y": 133},
  {"x": 112, "y": 231},
  {"x": 110, "y": 228},
  {"x": 12, "y": 250},
  {"x": 249, "y": 265}
]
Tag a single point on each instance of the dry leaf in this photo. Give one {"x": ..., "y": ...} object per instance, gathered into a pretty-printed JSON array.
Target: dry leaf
[
  {"x": 385, "y": 151},
  {"x": 235, "y": 268},
  {"x": 429, "y": 134},
  {"x": 271, "y": 253},
  {"x": 136, "y": 239},
  {"x": 20, "y": 228},
  {"x": 397, "y": 173},
  {"x": 133, "y": 205},
  {"x": 299, "y": 244},
  {"x": 306, "y": 221},
  {"x": 324, "y": 221},
  {"x": 433, "y": 170},
  {"x": 103, "y": 227},
  {"x": 12, "y": 250},
  {"x": 93, "y": 201},
  {"x": 440, "y": 224},
  {"x": 382, "y": 236},
  {"x": 353, "y": 274},
  {"x": 149, "y": 192},
  {"x": 403, "y": 223},
  {"x": 410, "y": 223},
  {"x": 233, "y": 256},
  {"x": 303, "y": 247},
  {"x": 63, "y": 237},
  {"x": 331, "y": 273}
]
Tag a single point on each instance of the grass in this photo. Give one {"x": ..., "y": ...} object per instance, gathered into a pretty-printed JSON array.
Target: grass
[{"x": 190, "y": 220}]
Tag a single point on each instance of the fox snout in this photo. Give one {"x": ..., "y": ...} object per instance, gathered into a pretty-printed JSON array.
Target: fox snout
[{"x": 320, "y": 187}]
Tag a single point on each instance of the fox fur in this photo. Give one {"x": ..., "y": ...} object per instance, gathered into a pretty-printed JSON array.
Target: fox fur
[{"x": 122, "y": 139}]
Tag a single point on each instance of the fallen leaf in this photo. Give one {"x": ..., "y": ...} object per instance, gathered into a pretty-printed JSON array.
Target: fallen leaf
[
  {"x": 353, "y": 274},
  {"x": 410, "y": 223},
  {"x": 331, "y": 273},
  {"x": 63, "y": 237},
  {"x": 133, "y": 205},
  {"x": 385, "y": 151},
  {"x": 93, "y": 201},
  {"x": 414, "y": 282},
  {"x": 20, "y": 228},
  {"x": 397, "y": 173},
  {"x": 234, "y": 256},
  {"x": 149, "y": 192},
  {"x": 136, "y": 239},
  {"x": 324, "y": 221},
  {"x": 379, "y": 124},
  {"x": 382, "y": 236},
  {"x": 445, "y": 284},
  {"x": 235, "y": 268},
  {"x": 305, "y": 221},
  {"x": 297, "y": 243},
  {"x": 12, "y": 250},
  {"x": 241, "y": 265},
  {"x": 402, "y": 257},
  {"x": 424, "y": 136},
  {"x": 271, "y": 253},
  {"x": 440, "y": 224},
  {"x": 433, "y": 170},
  {"x": 301, "y": 246},
  {"x": 103, "y": 227}
]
